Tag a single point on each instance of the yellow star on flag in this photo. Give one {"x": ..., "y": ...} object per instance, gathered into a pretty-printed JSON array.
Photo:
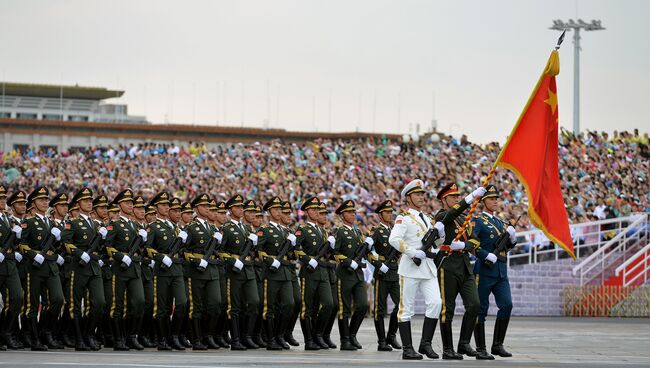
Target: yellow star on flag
[{"x": 551, "y": 100}]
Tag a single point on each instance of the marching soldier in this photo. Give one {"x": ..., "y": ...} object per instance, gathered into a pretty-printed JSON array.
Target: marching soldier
[
  {"x": 314, "y": 278},
  {"x": 351, "y": 281},
  {"x": 410, "y": 228},
  {"x": 59, "y": 208},
  {"x": 163, "y": 246},
  {"x": 18, "y": 204},
  {"x": 203, "y": 275},
  {"x": 221, "y": 337},
  {"x": 243, "y": 299},
  {"x": 252, "y": 223},
  {"x": 178, "y": 214},
  {"x": 37, "y": 240},
  {"x": 456, "y": 271},
  {"x": 10, "y": 287},
  {"x": 325, "y": 341},
  {"x": 123, "y": 246},
  {"x": 81, "y": 243},
  {"x": 107, "y": 213},
  {"x": 286, "y": 221},
  {"x": 147, "y": 332},
  {"x": 277, "y": 292},
  {"x": 492, "y": 271},
  {"x": 385, "y": 261}
]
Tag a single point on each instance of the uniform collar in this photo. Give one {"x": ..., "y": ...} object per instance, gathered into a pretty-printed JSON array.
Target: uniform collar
[
  {"x": 414, "y": 211},
  {"x": 348, "y": 226},
  {"x": 312, "y": 224},
  {"x": 384, "y": 225},
  {"x": 488, "y": 214}
]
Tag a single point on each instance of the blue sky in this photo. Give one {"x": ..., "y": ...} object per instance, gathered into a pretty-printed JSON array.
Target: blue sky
[{"x": 383, "y": 66}]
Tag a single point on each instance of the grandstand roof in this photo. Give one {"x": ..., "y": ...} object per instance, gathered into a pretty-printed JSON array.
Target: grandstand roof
[{"x": 55, "y": 91}]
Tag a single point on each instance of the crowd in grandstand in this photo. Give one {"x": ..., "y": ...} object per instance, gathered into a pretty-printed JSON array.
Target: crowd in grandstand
[{"x": 603, "y": 176}]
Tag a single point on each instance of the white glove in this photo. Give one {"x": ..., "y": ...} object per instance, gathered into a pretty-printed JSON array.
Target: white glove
[
  {"x": 2, "y": 257},
  {"x": 103, "y": 232},
  {"x": 143, "y": 234},
  {"x": 253, "y": 238},
  {"x": 56, "y": 232},
  {"x": 217, "y": 235},
  {"x": 152, "y": 264},
  {"x": 18, "y": 230},
  {"x": 203, "y": 263},
  {"x": 85, "y": 257},
  {"x": 183, "y": 235},
  {"x": 369, "y": 241},
  {"x": 238, "y": 264},
  {"x": 353, "y": 264},
  {"x": 478, "y": 192},
  {"x": 457, "y": 245},
  {"x": 39, "y": 259},
  {"x": 513, "y": 234},
  {"x": 332, "y": 241},
  {"x": 126, "y": 260},
  {"x": 383, "y": 268},
  {"x": 167, "y": 261},
  {"x": 313, "y": 263},
  {"x": 420, "y": 254},
  {"x": 60, "y": 260},
  {"x": 275, "y": 264},
  {"x": 101, "y": 263},
  {"x": 18, "y": 257},
  {"x": 292, "y": 239},
  {"x": 441, "y": 229},
  {"x": 491, "y": 257}
]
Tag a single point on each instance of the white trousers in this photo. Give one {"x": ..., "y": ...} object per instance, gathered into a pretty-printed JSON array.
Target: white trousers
[{"x": 408, "y": 287}]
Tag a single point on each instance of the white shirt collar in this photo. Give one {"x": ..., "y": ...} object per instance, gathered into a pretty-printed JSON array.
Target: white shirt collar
[
  {"x": 311, "y": 223},
  {"x": 86, "y": 217},
  {"x": 489, "y": 214},
  {"x": 123, "y": 218}
]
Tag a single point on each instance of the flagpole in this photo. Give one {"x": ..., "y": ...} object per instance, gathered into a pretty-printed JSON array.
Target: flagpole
[{"x": 494, "y": 166}]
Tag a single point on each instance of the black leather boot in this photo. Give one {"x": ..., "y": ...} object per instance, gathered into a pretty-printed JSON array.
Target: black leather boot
[
  {"x": 327, "y": 333},
  {"x": 321, "y": 321},
  {"x": 5, "y": 331},
  {"x": 119, "y": 342},
  {"x": 466, "y": 330},
  {"x": 269, "y": 327},
  {"x": 428, "y": 329},
  {"x": 355, "y": 324},
  {"x": 36, "y": 343},
  {"x": 408, "y": 353},
  {"x": 279, "y": 333},
  {"x": 391, "y": 337},
  {"x": 211, "y": 331},
  {"x": 500, "y": 328},
  {"x": 307, "y": 332},
  {"x": 235, "y": 342},
  {"x": 381, "y": 335},
  {"x": 344, "y": 331},
  {"x": 162, "y": 335},
  {"x": 197, "y": 336},
  {"x": 448, "y": 352},
  {"x": 248, "y": 329},
  {"x": 257, "y": 332},
  {"x": 293, "y": 318},
  {"x": 479, "y": 338}
]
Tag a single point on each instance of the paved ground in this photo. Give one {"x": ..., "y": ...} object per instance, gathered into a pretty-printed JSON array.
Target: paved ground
[{"x": 535, "y": 342}]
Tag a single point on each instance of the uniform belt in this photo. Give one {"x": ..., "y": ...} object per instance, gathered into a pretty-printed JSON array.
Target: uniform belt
[{"x": 447, "y": 248}]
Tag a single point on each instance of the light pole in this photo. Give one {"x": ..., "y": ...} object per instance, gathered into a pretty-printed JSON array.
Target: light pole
[{"x": 560, "y": 25}]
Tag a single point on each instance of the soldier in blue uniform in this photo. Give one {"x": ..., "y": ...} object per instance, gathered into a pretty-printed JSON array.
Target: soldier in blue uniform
[{"x": 492, "y": 272}]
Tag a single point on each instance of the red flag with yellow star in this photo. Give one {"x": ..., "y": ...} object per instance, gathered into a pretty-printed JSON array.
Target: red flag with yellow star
[{"x": 531, "y": 152}]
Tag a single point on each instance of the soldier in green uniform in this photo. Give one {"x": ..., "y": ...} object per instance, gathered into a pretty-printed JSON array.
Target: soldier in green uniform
[
  {"x": 18, "y": 204},
  {"x": 59, "y": 211},
  {"x": 106, "y": 213},
  {"x": 182, "y": 215},
  {"x": 252, "y": 224},
  {"x": 78, "y": 236},
  {"x": 169, "y": 293},
  {"x": 128, "y": 293},
  {"x": 455, "y": 272},
  {"x": 351, "y": 282},
  {"x": 277, "y": 291},
  {"x": 10, "y": 287},
  {"x": 203, "y": 275},
  {"x": 42, "y": 270},
  {"x": 219, "y": 213},
  {"x": 325, "y": 340},
  {"x": 187, "y": 214},
  {"x": 243, "y": 299},
  {"x": 147, "y": 332},
  {"x": 385, "y": 260},
  {"x": 286, "y": 221},
  {"x": 314, "y": 277}
]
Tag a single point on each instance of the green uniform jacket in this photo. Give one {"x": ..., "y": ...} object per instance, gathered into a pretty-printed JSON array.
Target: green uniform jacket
[
  {"x": 348, "y": 240},
  {"x": 35, "y": 233},
  {"x": 160, "y": 238},
  {"x": 8, "y": 266},
  {"x": 309, "y": 239},
  {"x": 453, "y": 221},
  {"x": 271, "y": 239},
  {"x": 121, "y": 235},
  {"x": 234, "y": 242},
  {"x": 77, "y": 236},
  {"x": 198, "y": 240},
  {"x": 380, "y": 236}
]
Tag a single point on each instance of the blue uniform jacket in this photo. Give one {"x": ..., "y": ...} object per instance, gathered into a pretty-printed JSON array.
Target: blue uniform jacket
[{"x": 488, "y": 229}]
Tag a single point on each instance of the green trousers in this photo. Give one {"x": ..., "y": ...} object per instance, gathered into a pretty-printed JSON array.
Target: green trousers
[
  {"x": 312, "y": 294},
  {"x": 384, "y": 289},
  {"x": 42, "y": 282},
  {"x": 352, "y": 292},
  {"x": 204, "y": 297},
  {"x": 453, "y": 282}
]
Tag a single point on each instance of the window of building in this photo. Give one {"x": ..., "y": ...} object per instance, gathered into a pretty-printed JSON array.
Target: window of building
[
  {"x": 5, "y": 114},
  {"x": 52, "y": 117},
  {"x": 78, "y": 118},
  {"x": 25, "y": 115}
]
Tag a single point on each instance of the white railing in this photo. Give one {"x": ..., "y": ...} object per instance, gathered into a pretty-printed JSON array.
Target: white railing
[
  {"x": 533, "y": 246},
  {"x": 644, "y": 265},
  {"x": 613, "y": 250}
]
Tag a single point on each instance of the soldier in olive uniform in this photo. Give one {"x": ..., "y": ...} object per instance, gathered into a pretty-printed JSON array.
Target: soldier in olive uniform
[
  {"x": 123, "y": 244},
  {"x": 146, "y": 335},
  {"x": 491, "y": 271},
  {"x": 109, "y": 212},
  {"x": 325, "y": 341},
  {"x": 456, "y": 272},
  {"x": 286, "y": 221},
  {"x": 42, "y": 270},
  {"x": 79, "y": 235},
  {"x": 18, "y": 204},
  {"x": 59, "y": 208},
  {"x": 252, "y": 223},
  {"x": 243, "y": 299},
  {"x": 385, "y": 260},
  {"x": 163, "y": 245},
  {"x": 219, "y": 218},
  {"x": 203, "y": 275},
  {"x": 10, "y": 287},
  {"x": 176, "y": 213},
  {"x": 351, "y": 283},
  {"x": 314, "y": 278},
  {"x": 277, "y": 293}
]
